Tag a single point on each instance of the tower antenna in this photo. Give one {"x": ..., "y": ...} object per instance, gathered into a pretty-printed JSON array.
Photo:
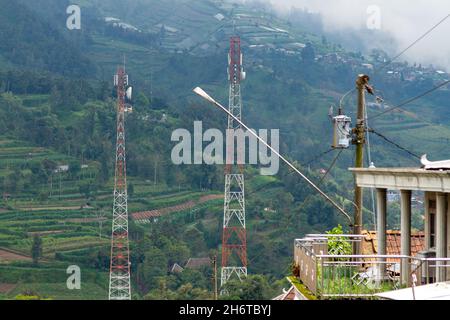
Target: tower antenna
[
  {"x": 119, "y": 274},
  {"x": 234, "y": 234}
]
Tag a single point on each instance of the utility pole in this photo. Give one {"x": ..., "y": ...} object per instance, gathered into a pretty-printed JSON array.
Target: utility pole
[
  {"x": 214, "y": 261},
  {"x": 155, "y": 172},
  {"x": 362, "y": 84}
]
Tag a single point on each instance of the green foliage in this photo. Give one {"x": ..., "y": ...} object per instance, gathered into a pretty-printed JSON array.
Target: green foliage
[
  {"x": 28, "y": 41},
  {"x": 254, "y": 287},
  {"x": 302, "y": 288},
  {"x": 339, "y": 244},
  {"x": 57, "y": 109},
  {"x": 184, "y": 292},
  {"x": 36, "y": 249},
  {"x": 26, "y": 297},
  {"x": 130, "y": 189}
]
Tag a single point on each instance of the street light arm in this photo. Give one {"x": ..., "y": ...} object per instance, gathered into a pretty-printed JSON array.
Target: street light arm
[
  {"x": 199, "y": 91},
  {"x": 344, "y": 96}
]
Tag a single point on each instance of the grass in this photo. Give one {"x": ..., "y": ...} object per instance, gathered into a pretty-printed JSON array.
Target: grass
[
  {"x": 67, "y": 239},
  {"x": 59, "y": 291},
  {"x": 337, "y": 283},
  {"x": 302, "y": 288}
]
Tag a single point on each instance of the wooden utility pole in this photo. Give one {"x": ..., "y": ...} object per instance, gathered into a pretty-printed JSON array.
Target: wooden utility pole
[
  {"x": 362, "y": 84},
  {"x": 214, "y": 261}
]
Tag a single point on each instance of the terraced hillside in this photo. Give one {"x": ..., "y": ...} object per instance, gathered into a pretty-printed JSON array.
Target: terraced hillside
[{"x": 57, "y": 142}]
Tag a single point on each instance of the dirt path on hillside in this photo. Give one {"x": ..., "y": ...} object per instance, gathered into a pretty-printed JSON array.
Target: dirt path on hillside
[
  {"x": 6, "y": 288},
  {"x": 7, "y": 255},
  {"x": 144, "y": 215}
]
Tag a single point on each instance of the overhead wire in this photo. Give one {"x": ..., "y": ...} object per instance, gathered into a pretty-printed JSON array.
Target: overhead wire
[
  {"x": 411, "y": 99},
  {"x": 369, "y": 158},
  {"x": 403, "y": 52},
  {"x": 394, "y": 143},
  {"x": 412, "y": 115},
  {"x": 207, "y": 97},
  {"x": 322, "y": 178},
  {"x": 415, "y": 42},
  {"x": 333, "y": 163},
  {"x": 317, "y": 157}
]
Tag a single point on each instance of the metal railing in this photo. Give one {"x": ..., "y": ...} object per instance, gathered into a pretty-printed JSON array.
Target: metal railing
[{"x": 341, "y": 275}]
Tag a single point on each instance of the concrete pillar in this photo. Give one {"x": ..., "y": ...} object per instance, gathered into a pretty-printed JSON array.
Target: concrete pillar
[
  {"x": 405, "y": 229},
  {"x": 426, "y": 224},
  {"x": 381, "y": 228},
  {"x": 448, "y": 234},
  {"x": 441, "y": 236}
]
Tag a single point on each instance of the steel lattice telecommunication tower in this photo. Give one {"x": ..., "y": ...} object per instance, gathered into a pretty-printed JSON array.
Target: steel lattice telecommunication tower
[
  {"x": 234, "y": 241},
  {"x": 119, "y": 277}
]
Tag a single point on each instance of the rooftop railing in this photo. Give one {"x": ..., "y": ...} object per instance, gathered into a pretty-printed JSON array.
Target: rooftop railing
[{"x": 324, "y": 266}]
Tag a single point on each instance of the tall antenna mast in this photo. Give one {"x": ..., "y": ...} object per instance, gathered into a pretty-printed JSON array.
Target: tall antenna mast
[
  {"x": 119, "y": 275},
  {"x": 234, "y": 237}
]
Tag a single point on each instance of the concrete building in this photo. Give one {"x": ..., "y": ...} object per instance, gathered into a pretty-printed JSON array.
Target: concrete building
[{"x": 436, "y": 187}]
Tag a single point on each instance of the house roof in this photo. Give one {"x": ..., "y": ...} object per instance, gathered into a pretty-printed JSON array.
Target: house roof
[
  {"x": 293, "y": 293},
  {"x": 287, "y": 295},
  {"x": 393, "y": 242},
  {"x": 176, "y": 268},
  {"x": 194, "y": 263}
]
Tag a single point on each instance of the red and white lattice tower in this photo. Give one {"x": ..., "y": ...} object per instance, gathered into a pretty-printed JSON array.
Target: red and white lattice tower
[
  {"x": 234, "y": 240},
  {"x": 119, "y": 276}
]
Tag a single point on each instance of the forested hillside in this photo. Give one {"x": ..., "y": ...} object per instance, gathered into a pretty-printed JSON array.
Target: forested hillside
[{"x": 57, "y": 136}]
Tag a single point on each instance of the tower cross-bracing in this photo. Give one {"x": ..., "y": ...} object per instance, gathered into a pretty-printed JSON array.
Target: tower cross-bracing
[
  {"x": 234, "y": 238},
  {"x": 119, "y": 277}
]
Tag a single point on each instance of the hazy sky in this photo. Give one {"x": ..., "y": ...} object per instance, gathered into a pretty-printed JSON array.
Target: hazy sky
[{"x": 405, "y": 20}]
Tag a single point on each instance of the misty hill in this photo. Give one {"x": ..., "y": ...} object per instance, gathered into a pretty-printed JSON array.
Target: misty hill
[{"x": 56, "y": 96}]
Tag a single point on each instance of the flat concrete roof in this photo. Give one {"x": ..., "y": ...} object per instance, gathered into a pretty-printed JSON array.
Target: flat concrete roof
[
  {"x": 403, "y": 179},
  {"x": 434, "y": 291}
]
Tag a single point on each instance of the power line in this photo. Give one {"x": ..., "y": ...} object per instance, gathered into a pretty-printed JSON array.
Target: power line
[
  {"x": 395, "y": 144},
  {"x": 411, "y": 99},
  {"x": 414, "y": 43},
  {"x": 317, "y": 157},
  {"x": 406, "y": 49},
  {"x": 205, "y": 96},
  {"x": 369, "y": 158},
  {"x": 321, "y": 179},
  {"x": 413, "y": 116}
]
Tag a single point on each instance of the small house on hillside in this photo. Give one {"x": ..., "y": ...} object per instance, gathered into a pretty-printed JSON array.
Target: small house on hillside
[
  {"x": 197, "y": 263},
  {"x": 176, "y": 268}
]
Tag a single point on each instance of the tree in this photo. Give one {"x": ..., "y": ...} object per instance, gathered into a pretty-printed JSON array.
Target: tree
[
  {"x": 338, "y": 244},
  {"x": 86, "y": 189},
  {"x": 130, "y": 189},
  {"x": 104, "y": 171},
  {"x": 36, "y": 249},
  {"x": 74, "y": 168},
  {"x": 308, "y": 53},
  {"x": 254, "y": 287},
  {"x": 43, "y": 196},
  {"x": 196, "y": 238},
  {"x": 142, "y": 101}
]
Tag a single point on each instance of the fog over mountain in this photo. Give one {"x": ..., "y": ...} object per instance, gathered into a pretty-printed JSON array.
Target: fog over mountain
[{"x": 400, "y": 20}]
